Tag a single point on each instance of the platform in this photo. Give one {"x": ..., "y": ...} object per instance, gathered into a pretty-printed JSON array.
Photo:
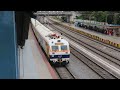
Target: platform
[
  {"x": 111, "y": 38},
  {"x": 32, "y": 61}
]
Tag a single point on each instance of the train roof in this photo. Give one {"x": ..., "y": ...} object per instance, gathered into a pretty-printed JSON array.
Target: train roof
[
  {"x": 47, "y": 34},
  {"x": 58, "y": 42}
]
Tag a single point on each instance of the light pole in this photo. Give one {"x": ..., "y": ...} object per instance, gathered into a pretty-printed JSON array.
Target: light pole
[
  {"x": 90, "y": 19},
  {"x": 106, "y": 18},
  {"x": 115, "y": 19}
]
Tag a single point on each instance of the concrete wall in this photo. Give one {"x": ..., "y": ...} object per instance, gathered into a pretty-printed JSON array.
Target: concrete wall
[{"x": 8, "y": 46}]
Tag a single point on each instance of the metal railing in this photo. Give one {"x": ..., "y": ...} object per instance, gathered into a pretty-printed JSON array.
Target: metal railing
[{"x": 53, "y": 13}]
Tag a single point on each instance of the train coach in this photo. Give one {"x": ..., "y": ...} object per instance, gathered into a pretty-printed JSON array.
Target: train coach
[
  {"x": 56, "y": 48},
  {"x": 100, "y": 27}
]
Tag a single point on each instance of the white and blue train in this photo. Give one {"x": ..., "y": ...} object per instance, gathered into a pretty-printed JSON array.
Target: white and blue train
[{"x": 56, "y": 48}]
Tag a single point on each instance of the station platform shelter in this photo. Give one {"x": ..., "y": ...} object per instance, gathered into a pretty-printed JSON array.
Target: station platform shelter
[{"x": 113, "y": 29}]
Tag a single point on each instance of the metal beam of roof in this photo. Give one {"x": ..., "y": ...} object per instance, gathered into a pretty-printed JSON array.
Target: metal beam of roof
[{"x": 53, "y": 13}]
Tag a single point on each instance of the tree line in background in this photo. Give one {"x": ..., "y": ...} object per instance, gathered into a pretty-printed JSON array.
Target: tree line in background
[{"x": 111, "y": 17}]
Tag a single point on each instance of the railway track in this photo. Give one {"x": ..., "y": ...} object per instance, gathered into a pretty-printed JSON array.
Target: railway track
[
  {"x": 93, "y": 40},
  {"x": 86, "y": 45},
  {"x": 92, "y": 65},
  {"x": 112, "y": 59},
  {"x": 92, "y": 48},
  {"x": 109, "y": 46},
  {"x": 64, "y": 73}
]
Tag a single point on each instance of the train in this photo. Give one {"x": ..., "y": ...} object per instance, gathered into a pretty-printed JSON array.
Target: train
[
  {"x": 92, "y": 25},
  {"x": 55, "y": 47}
]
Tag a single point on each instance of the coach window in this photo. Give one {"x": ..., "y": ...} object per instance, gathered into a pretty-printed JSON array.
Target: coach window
[
  {"x": 64, "y": 47},
  {"x": 54, "y": 48}
]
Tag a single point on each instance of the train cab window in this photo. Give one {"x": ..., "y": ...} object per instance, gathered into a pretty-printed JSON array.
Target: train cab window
[
  {"x": 55, "y": 48},
  {"x": 64, "y": 47}
]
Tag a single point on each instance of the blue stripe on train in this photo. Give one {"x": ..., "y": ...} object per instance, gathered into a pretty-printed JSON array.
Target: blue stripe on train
[{"x": 60, "y": 56}]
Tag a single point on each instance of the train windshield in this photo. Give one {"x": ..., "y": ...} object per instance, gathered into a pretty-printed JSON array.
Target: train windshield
[
  {"x": 55, "y": 48},
  {"x": 64, "y": 47}
]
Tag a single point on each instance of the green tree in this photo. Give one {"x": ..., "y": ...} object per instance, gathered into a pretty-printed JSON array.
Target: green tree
[
  {"x": 100, "y": 16},
  {"x": 111, "y": 17},
  {"x": 118, "y": 19}
]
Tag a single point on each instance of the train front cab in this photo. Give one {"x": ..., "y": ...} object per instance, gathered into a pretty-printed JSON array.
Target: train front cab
[{"x": 60, "y": 54}]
